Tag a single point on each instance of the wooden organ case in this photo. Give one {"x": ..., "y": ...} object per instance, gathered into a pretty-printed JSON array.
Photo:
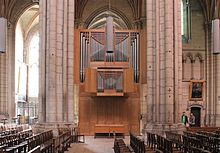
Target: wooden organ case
[{"x": 108, "y": 74}]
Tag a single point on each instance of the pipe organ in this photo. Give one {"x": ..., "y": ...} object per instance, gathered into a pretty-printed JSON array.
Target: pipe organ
[
  {"x": 109, "y": 53},
  {"x": 108, "y": 77}
]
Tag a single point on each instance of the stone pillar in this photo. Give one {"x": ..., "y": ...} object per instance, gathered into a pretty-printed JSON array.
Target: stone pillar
[
  {"x": 162, "y": 70},
  {"x": 178, "y": 70},
  {"x": 217, "y": 91},
  {"x": 56, "y": 63},
  {"x": 164, "y": 64},
  {"x": 11, "y": 71},
  {"x": 169, "y": 60},
  {"x": 3, "y": 84},
  {"x": 7, "y": 83},
  {"x": 210, "y": 79},
  {"x": 150, "y": 62}
]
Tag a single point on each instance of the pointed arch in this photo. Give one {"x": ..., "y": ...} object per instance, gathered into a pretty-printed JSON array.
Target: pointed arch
[
  {"x": 106, "y": 8},
  {"x": 190, "y": 56},
  {"x": 199, "y": 56}
]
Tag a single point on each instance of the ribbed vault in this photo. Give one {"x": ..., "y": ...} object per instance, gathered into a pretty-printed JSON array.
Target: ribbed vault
[
  {"x": 211, "y": 9},
  {"x": 134, "y": 4},
  {"x": 12, "y": 9}
]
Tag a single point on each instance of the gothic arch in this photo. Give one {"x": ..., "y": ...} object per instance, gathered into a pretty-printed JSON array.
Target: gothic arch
[
  {"x": 199, "y": 56},
  {"x": 190, "y": 57},
  {"x": 106, "y": 8},
  {"x": 21, "y": 11}
]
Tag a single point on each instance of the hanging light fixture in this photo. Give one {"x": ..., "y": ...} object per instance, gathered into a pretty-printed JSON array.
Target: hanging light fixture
[
  {"x": 216, "y": 35},
  {"x": 3, "y": 34}
]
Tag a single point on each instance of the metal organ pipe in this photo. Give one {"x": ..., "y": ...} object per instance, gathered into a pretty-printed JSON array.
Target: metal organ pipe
[
  {"x": 135, "y": 58},
  {"x": 121, "y": 50},
  {"x": 87, "y": 53},
  {"x": 132, "y": 52},
  {"x": 109, "y": 39},
  {"x": 138, "y": 72},
  {"x": 85, "y": 56},
  {"x": 99, "y": 82},
  {"x": 109, "y": 34},
  {"x": 126, "y": 50},
  {"x": 81, "y": 57}
]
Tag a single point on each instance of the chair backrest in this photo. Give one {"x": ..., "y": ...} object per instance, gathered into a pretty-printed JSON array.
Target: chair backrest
[{"x": 35, "y": 150}]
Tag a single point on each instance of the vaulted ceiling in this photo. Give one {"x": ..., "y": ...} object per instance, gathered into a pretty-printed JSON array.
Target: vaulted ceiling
[
  {"x": 134, "y": 4},
  {"x": 12, "y": 9},
  {"x": 211, "y": 9}
]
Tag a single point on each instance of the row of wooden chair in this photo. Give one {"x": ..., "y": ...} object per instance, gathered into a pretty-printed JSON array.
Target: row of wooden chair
[
  {"x": 120, "y": 146},
  {"x": 45, "y": 138},
  {"x": 14, "y": 139},
  {"x": 63, "y": 141},
  {"x": 137, "y": 144},
  {"x": 209, "y": 141},
  {"x": 15, "y": 142}
]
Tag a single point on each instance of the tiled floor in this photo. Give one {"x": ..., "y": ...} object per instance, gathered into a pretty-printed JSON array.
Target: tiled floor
[{"x": 91, "y": 145}]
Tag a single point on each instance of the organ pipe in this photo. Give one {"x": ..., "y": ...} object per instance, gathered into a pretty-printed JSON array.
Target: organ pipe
[
  {"x": 132, "y": 51},
  {"x": 81, "y": 57},
  {"x": 109, "y": 34},
  {"x": 138, "y": 59},
  {"x": 135, "y": 58},
  {"x": 95, "y": 45}
]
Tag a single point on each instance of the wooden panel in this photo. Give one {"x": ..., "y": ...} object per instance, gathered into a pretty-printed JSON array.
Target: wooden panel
[
  {"x": 109, "y": 64},
  {"x": 76, "y": 55},
  {"x": 128, "y": 80},
  {"x": 110, "y": 93},
  {"x": 143, "y": 52},
  {"x": 90, "y": 80},
  {"x": 109, "y": 128},
  {"x": 109, "y": 111}
]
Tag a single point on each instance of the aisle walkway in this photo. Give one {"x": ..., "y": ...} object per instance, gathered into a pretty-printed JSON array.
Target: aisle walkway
[{"x": 98, "y": 145}]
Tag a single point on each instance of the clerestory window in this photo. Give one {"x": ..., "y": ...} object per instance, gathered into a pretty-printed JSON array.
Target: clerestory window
[{"x": 186, "y": 20}]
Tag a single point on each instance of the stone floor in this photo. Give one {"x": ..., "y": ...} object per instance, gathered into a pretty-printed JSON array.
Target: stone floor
[{"x": 91, "y": 145}]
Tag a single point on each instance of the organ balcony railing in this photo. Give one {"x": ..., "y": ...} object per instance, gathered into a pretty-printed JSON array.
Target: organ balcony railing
[{"x": 121, "y": 52}]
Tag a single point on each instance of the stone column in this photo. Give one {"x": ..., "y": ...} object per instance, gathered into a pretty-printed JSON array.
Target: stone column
[
  {"x": 217, "y": 91},
  {"x": 7, "y": 83},
  {"x": 56, "y": 62},
  {"x": 164, "y": 64},
  {"x": 210, "y": 78},
  {"x": 150, "y": 61},
  {"x": 11, "y": 71},
  {"x": 162, "y": 70},
  {"x": 178, "y": 70},
  {"x": 3, "y": 84},
  {"x": 169, "y": 59}
]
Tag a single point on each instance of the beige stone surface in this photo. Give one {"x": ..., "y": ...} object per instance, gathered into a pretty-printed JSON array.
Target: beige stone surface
[{"x": 98, "y": 145}]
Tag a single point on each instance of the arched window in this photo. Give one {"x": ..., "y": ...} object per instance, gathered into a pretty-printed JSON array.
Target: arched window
[
  {"x": 186, "y": 20},
  {"x": 33, "y": 82}
]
